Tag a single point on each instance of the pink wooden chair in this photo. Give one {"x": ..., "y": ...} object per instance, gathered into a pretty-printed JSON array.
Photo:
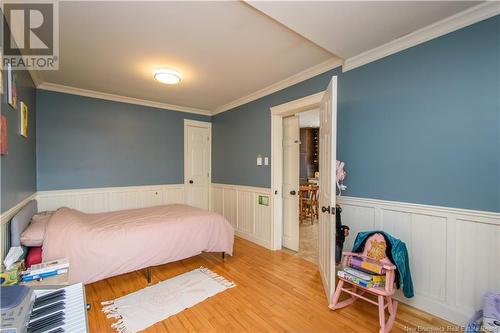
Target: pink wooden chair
[{"x": 383, "y": 295}]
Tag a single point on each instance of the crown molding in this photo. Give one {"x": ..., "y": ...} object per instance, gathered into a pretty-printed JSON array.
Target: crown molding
[
  {"x": 118, "y": 98},
  {"x": 460, "y": 20},
  {"x": 296, "y": 78},
  {"x": 35, "y": 77},
  {"x": 440, "y": 28}
]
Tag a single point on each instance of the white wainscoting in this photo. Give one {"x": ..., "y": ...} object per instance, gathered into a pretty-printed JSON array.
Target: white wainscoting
[
  {"x": 454, "y": 253},
  {"x": 106, "y": 199},
  {"x": 240, "y": 206}
]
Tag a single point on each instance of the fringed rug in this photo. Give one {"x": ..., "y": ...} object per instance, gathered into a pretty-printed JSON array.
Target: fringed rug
[{"x": 143, "y": 308}]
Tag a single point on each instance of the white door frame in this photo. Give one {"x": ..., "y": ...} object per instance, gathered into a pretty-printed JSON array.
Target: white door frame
[
  {"x": 202, "y": 124},
  {"x": 278, "y": 112}
]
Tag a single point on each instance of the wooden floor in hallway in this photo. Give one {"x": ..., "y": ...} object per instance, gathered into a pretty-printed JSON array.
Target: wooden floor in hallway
[{"x": 275, "y": 292}]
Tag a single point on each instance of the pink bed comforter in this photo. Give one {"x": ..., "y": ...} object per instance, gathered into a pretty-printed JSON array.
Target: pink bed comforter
[{"x": 107, "y": 244}]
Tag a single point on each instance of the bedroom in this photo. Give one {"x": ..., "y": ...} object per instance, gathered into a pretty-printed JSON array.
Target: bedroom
[{"x": 416, "y": 105}]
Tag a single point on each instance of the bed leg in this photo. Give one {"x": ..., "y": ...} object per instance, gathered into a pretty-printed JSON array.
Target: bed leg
[
  {"x": 148, "y": 275},
  {"x": 223, "y": 255}
]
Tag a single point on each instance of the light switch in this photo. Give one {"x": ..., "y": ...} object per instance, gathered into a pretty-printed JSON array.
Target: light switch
[
  {"x": 266, "y": 160},
  {"x": 259, "y": 160}
]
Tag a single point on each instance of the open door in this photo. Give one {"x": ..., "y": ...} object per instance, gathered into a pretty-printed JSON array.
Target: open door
[
  {"x": 327, "y": 158},
  {"x": 291, "y": 163}
]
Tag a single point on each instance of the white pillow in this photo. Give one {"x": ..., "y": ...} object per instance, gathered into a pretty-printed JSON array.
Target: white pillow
[{"x": 34, "y": 234}]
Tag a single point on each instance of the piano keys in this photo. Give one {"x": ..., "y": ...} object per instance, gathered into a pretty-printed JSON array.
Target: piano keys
[{"x": 50, "y": 310}]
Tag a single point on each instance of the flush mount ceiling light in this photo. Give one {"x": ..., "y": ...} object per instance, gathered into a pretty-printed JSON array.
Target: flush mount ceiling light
[{"x": 167, "y": 76}]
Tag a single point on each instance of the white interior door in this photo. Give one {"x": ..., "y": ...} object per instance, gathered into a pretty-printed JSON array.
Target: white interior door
[
  {"x": 197, "y": 164},
  {"x": 327, "y": 158},
  {"x": 291, "y": 165}
]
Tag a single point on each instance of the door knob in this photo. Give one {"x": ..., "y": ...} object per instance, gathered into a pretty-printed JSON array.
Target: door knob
[
  {"x": 325, "y": 209},
  {"x": 191, "y": 181},
  {"x": 293, "y": 192}
]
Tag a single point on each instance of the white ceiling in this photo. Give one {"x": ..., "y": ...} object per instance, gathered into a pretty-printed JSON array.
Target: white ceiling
[
  {"x": 226, "y": 51},
  {"x": 348, "y": 28}
]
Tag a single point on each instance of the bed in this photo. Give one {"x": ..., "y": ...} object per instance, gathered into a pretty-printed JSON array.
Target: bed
[{"x": 102, "y": 245}]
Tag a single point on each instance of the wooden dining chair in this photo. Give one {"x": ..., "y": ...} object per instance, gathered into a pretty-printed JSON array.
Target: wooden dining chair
[
  {"x": 314, "y": 203},
  {"x": 303, "y": 204},
  {"x": 309, "y": 203}
]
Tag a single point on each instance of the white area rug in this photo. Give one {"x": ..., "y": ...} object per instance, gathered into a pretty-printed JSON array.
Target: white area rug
[{"x": 150, "y": 305}]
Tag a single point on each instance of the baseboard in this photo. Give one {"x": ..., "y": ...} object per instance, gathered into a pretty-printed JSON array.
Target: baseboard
[{"x": 249, "y": 237}]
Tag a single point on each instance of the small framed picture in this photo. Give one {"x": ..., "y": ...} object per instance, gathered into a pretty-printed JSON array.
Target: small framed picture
[
  {"x": 11, "y": 87},
  {"x": 23, "y": 120},
  {"x": 4, "y": 145},
  {"x": 1, "y": 78}
]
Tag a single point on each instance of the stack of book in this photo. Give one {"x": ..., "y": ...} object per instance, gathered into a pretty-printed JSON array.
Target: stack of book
[
  {"x": 45, "y": 270},
  {"x": 367, "y": 264},
  {"x": 364, "y": 272}
]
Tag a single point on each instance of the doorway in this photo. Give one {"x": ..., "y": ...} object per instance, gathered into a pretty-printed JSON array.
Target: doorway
[
  {"x": 197, "y": 162},
  {"x": 301, "y": 184},
  {"x": 309, "y": 176},
  {"x": 327, "y": 103}
]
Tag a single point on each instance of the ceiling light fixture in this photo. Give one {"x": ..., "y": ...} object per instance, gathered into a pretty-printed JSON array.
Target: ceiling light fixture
[{"x": 167, "y": 76}]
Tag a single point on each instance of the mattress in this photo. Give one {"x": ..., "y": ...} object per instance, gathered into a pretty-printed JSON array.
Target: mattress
[{"x": 102, "y": 245}]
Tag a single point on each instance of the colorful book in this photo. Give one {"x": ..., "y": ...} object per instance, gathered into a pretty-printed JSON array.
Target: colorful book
[
  {"x": 358, "y": 281},
  {"x": 368, "y": 265},
  {"x": 364, "y": 275},
  {"x": 31, "y": 277},
  {"x": 48, "y": 266},
  {"x": 369, "y": 272}
]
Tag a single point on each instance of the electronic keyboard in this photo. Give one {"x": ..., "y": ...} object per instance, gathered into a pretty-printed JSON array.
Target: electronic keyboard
[{"x": 44, "y": 309}]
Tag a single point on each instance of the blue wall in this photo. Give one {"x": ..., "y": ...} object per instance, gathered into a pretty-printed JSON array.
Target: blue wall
[
  {"x": 18, "y": 167},
  {"x": 85, "y": 142},
  {"x": 420, "y": 126},
  {"x": 242, "y": 133}
]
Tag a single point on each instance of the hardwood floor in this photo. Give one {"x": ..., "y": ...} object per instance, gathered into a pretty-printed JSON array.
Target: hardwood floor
[{"x": 275, "y": 292}]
